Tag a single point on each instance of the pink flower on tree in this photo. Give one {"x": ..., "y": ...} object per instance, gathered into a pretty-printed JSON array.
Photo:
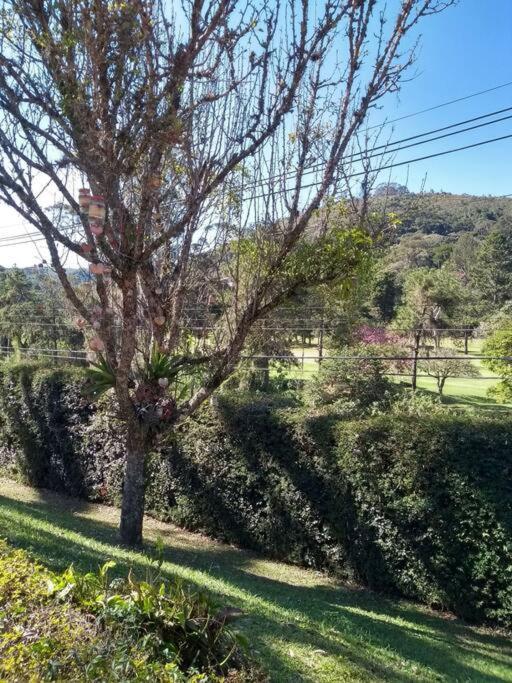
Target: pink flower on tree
[{"x": 385, "y": 343}]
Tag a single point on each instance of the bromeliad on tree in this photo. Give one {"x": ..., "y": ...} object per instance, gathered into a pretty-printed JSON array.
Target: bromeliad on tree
[{"x": 178, "y": 123}]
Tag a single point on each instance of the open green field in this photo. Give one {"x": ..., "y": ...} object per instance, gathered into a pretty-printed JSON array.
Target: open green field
[{"x": 302, "y": 625}]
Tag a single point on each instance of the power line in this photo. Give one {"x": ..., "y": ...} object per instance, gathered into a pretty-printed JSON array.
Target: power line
[
  {"x": 196, "y": 326},
  {"x": 312, "y": 371},
  {"x": 432, "y": 108},
  {"x": 412, "y": 195},
  {"x": 287, "y": 357},
  {"x": 6, "y": 239},
  {"x": 401, "y": 163},
  {"x": 440, "y": 106},
  {"x": 354, "y": 175},
  {"x": 359, "y": 156},
  {"x": 296, "y": 323},
  {"x": 365, "y": 358},
  {"x": 443, "y": 128},
  {"x": 49, "y": 355},
  {"x": 33, "y": 349},
  {"x": 302, "y": 371}
]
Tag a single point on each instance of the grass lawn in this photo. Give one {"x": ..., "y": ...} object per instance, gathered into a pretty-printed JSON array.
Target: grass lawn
[
  {"x": 303, "y": 626},
  {"x": 465, "y": 390}
]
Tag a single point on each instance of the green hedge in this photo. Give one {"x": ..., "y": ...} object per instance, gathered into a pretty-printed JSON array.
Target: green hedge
[
  {"x": 416, "y": 506},
  {"x": 52, "y": 437}
]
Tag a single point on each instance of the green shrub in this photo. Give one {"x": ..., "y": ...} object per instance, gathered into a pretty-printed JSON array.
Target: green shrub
[
  {"x": 421, "y": 507},
  {"x": 499, "y": 346},
  {"x": 415, "y": 500},
  {"x": 407, "y": 402},
  {"x": 351, "y": 385},
  {"x": 90, "y": 627}
]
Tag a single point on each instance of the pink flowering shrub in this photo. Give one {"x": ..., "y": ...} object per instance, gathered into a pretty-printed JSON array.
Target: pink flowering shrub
[
  {"x": 382, "y": 342},
  {"x": 377, "y": 336}
]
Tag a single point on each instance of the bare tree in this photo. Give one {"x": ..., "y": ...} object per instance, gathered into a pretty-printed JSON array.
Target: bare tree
[{"x": 209, "y": 134}]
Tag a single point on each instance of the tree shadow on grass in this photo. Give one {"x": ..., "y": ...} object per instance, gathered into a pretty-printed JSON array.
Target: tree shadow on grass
[
  {"x": 481, "y": 403},
  {"x": 370, "y": 634}
]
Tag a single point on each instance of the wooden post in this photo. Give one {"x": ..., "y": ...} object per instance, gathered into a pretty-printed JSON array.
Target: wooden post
[
  {"x": 415, "y": 352},
  {"x": 321, "y": 341}
]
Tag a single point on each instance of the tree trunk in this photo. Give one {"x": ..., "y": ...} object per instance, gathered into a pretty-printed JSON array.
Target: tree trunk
[
  {"x": 17, "y": 345},
  {"x": 132, "y": 510},
  {"x": 321, "y": 343},
  {"x": 262, "y": 368}
]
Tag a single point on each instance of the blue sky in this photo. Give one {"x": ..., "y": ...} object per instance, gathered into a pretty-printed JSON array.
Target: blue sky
[{"x": 467, "y": 48}]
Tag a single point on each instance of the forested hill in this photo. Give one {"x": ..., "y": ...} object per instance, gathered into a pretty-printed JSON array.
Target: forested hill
[
  {"x": 444, "y": 214},
  {"x": 465, "y": 237}
]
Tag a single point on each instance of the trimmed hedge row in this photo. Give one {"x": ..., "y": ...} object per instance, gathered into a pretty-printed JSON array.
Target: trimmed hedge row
[{"x": 420, "y": 507}]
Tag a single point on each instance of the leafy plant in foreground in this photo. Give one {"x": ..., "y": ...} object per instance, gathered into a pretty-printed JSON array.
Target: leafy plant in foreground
[{"x": 90, "y": 627}]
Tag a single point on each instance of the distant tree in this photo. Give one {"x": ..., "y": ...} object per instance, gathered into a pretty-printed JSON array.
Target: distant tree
[
  {"x": 492, "y": 273},
  {"x": 413, "y": 251},
  {"x": 429, "y": 303},
  {"x": 441, "y": 253},
  {"x": 269, "y": 344},
  {"x": 447, "y": 215},
  {"x": 55, "y": 313},
  {"x": 500, "y": 320},
  {"x": 17, "y": 309},
  {"x": 350, "y": 382},
  {"x": 332, "y": 312},
  {"x": 377, "y": 336},
  {"x": 463, "y": 255},
  {"x": 499, "y": 348},
  {"x": 385, "y": 343},
  {"x": 34, "y": 313},
  {"x": 390, "y": 190},
  {"x": 386, "y": 295},
  {"x": 442, "y": 369}
]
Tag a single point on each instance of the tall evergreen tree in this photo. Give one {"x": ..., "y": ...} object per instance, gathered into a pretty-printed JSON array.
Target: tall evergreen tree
[
  {"x": 17, "y": 308},
  {"x": 493, "y": 269}
]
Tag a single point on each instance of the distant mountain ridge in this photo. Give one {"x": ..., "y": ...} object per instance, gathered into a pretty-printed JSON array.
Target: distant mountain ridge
[{"x": 445, "y": 214}]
